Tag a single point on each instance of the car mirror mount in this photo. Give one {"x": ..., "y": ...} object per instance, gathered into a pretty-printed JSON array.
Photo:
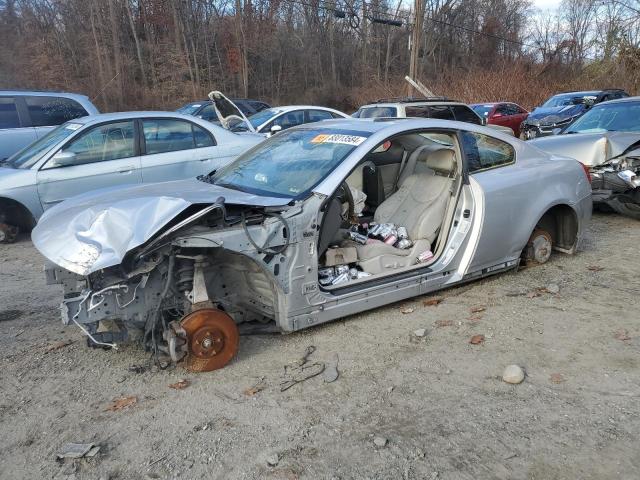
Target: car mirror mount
[{"x": 63, "y": 159}]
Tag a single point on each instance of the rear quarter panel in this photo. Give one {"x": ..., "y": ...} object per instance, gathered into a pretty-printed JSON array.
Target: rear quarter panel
[{"x": 518, "y": 195}]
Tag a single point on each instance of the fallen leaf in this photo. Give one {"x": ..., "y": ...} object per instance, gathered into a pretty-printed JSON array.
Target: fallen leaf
[
  {"x": 477, "y": 340},
  {"x": 120, "y": 403},
  {"x": 432, "y": 302},
  {"x": 180, "y": 384},
  {"x": 533, "y": 294},
  {"x": 556, "y": 378},
  {"x": 443, "y": 323},
  {"x": 405, "y": 310},
  {"x": 475, "y": 318},
  {"x": 251, "y": 391},
  {"x": 478, "y": 309},
  {"x": 595, "y": 268},
  {"x": 57, "y": 346},
  {"x": 622, "y": 334}
]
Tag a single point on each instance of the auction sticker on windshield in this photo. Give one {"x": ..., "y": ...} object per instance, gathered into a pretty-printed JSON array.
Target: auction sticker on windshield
[{"x": 339, "y": 138}]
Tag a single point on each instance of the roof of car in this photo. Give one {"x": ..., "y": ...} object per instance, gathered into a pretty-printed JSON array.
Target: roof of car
[
  {"x": 413, "y": 103},
  {"x": 105, "y": 117},
  {"x": 40, "y": 93},
  {"x": 620, "y": 100},
  {"x": 590, "y": 92}
]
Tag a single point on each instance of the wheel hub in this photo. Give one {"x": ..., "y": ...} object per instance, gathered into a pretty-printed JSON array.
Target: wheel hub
[
  {"x": 540, "y": 246},
  {"x": 212, "y": 339}
]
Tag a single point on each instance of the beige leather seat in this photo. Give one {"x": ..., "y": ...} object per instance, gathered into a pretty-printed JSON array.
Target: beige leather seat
[{"x": 424, "y": 190}]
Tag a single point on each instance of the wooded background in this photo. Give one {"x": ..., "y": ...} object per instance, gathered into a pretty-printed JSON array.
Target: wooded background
[{"x": 133, "y": 54}]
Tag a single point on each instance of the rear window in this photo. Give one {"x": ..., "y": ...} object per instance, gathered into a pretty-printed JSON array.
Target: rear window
[
  {"x": 465, "y": 114},
  {"x": 51, "y": 111},
  {"x": 8, "y": 113},
  {"x": 376, "y": 112}
]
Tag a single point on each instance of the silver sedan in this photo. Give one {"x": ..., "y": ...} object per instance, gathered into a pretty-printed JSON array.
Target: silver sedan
[
  {"x": 109, "y": 150},
  {"x": 316, "y": 223}
]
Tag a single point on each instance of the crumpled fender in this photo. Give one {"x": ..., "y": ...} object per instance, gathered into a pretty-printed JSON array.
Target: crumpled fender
[{"x": 96, "y": 230}]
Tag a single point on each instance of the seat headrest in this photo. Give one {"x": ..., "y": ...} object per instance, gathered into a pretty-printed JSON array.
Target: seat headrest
[{"x": 442, "y": 160}]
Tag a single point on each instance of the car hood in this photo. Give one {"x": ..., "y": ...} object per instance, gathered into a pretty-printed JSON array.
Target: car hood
[
  {"x": 591, "y": 149},
  {"x": 95, "y": 230},
  {"x": 16, "y": 177},
  {"x": 551, "y": 115}
]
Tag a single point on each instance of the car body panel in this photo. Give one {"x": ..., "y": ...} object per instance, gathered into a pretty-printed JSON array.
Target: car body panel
[{"x": 120, "y": 240}]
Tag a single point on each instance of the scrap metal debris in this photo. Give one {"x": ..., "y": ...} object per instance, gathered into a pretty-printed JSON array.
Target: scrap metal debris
[
  {"x": 477, "y": 339},
  {"x": 301, "y": 370},
  {"x": 121, "y": 403},
  {"x": 180, "y": 384},
  {"x": 78, "y": 450}
]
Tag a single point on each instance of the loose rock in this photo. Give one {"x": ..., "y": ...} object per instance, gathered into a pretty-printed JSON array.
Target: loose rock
[
  {"x": 273, "y": 459},
  {"x": 421, "y": 332},
  {"x": 380, "y": 441},
  {"x": 513, "y": 374}
]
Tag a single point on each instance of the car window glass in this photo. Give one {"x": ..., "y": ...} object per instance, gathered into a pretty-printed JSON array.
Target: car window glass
[
  {"x": 167, "y": 135},
  {"x": 208, "y": 113},
  {"x": 289, "y": 119},
  {"x": 482, "y": 151},
  {"x": 442, "y": 112},
  {"x": 8, "y": 113},
  {"x": 465, "y": 114},
  {"x": 104, "y": 142},
  {"x": 258, "y": 106},
  {"x": 376, "y": 112},
  {"x": 417, "y": 111},
  {"x": 502, "y": 109},
  {"x": 318, "y": 115},
  {"x": 201, "y": 137},
  {"x": 50, "y": 111}
]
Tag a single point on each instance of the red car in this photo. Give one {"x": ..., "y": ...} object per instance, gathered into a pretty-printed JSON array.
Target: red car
[{"x": 506, "y": 114}]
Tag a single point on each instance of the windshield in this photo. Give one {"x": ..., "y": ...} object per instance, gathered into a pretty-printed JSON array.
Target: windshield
[
  {"x": 291, "y": 163},
  {"x": 613, "y": 117},
  {"x": 376, "y": 112},
  {"x": 189, "y": 108},
  {"x": 256, "y": 120},
  {"x": 482, "y": 110},
  {"x": 567, "y": 99},
  {"x": 30, "y": 155}
]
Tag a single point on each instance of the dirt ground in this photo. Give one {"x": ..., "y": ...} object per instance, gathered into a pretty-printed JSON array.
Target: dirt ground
[{"x": 438, "y": 401}]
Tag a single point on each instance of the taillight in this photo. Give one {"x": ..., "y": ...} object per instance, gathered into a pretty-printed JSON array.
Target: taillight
[{"x": 586, "y": 171}]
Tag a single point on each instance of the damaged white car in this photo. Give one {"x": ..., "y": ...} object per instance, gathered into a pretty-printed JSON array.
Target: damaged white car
[
  {"x": 606, "y": 140},
  {"x": 316, "y": 223}
]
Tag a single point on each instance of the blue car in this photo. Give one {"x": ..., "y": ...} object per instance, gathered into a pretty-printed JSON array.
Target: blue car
[
  {"x": 109, "y": 150},
  {"x": 561, "y": 110},
  {"x": 27, "y": 116}
]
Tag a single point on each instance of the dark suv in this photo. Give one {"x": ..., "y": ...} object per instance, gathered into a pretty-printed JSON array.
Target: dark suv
[
  {"x": 28, "y": 116},
  {"x": 562, "y": 109}
]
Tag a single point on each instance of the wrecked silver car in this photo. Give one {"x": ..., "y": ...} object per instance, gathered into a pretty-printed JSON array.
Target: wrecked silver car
[
  {"x": 316, "y": 223},
  {"x": 607, "y": 141}
]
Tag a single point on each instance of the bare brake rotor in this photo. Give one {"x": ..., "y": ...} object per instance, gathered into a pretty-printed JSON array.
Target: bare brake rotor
[
  {"x": 212, "y": 339},
  {"x": 539, "y": 247}
]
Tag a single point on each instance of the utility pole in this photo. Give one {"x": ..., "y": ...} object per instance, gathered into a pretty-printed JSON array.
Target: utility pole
[{"x": 414, "y": 45}]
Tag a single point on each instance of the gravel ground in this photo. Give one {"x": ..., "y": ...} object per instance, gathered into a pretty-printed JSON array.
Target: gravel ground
[{"x": 403, "y": 407}]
